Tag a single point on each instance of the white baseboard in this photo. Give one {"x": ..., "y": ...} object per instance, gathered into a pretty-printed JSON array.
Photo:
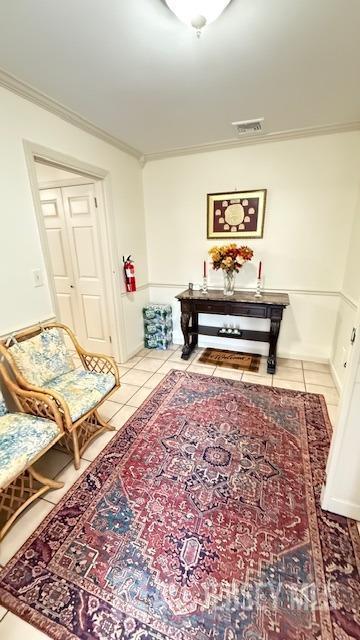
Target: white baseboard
[
  {"x": 262, "y": 348},
  {"x": 133, "y": 352},
  {"x": 214, "y": 342},
  {"x": 342, "y": 508},
  {"x": 336, "y": 378},
  {"x": 307, "y": 357}
]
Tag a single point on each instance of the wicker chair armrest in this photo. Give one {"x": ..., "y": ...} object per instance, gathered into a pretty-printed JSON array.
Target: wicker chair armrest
[
  {"x": 38, "y": 404},
  {"x": 99, "y": 363},
  {"x": 43, "y": 403}
]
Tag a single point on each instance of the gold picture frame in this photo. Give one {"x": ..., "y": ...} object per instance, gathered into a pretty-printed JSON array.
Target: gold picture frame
[{"x": 236, "y": 214}]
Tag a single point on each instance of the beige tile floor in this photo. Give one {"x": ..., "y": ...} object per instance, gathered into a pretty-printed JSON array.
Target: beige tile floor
[{"x": 139, "y": 376}]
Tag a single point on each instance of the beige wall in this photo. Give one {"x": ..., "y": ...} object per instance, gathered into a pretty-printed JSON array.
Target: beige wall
[
  {"x": 351, "y": 284},
  {"x": 341, "y": 494},
  {"x": 22, "y": 304},
  {"x": 312, "y": 190},
  {"x": 347, "y": 317}
]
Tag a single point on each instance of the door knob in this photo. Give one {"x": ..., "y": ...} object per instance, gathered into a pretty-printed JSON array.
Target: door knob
[{"x": 72, "y": 286}]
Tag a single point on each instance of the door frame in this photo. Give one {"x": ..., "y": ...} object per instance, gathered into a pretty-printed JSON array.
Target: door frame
[
  {"x": 58, "y": 184},
  {"x": 102, "y": 181}
]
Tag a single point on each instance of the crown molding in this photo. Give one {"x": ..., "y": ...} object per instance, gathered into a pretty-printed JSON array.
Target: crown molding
[
  {"x": 24, "y": 90},
  {"x": 233, "y": 143}
]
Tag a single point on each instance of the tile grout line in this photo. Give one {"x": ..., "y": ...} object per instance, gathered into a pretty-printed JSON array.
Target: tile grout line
[
  {"x": 192, "y": 363},
  {"x": 49, "y": 501},
  {"x": 117, "y": 411},
  {"x": 64, "y": 467},
  {"x": 303, "y": 374}
]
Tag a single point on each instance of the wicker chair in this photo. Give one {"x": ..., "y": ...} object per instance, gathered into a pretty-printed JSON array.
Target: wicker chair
[
  {"x": 77, "y": 393},
  {"x": 24, "y": 438}
]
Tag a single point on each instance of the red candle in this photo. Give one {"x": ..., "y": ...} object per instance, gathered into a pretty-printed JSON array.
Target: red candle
[
  {"x": 260, "y": 269},
  {"x": 204, "y": 268}
]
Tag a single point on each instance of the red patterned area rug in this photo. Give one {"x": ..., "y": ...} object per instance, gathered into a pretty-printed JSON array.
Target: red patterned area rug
[{"x": 199, "y": 521}]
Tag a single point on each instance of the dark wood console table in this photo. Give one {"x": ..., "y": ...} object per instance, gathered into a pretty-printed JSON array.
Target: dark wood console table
[{"x": 242, "y": 303}]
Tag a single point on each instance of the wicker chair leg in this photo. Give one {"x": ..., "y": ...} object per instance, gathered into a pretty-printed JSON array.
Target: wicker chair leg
[
  {"x": 83, "y": 435},
  {"x": 76, "y": 450},
  {"x": 94, "y": 427},
  {"x": 102, "y": 424},
  {"x": 21, "y": 493},
  {"x": 52, "y": 484}
]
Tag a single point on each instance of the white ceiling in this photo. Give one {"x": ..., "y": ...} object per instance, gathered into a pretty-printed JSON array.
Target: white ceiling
[{"x": 131, "y": 68}]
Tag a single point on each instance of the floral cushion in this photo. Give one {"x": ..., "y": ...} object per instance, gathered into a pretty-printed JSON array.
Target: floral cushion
[
  {"x": 22, "y": 438},
  {"x": 82, "y": 390},
  {"x": 3, "y": 408},
  {"x": 43, "y": 357}
]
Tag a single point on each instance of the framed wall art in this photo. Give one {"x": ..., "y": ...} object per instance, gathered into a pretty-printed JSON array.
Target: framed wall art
[{"x": 237, "y": 214}]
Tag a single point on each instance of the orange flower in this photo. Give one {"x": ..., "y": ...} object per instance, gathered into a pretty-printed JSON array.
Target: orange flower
[{"x": 230, "y": 257}]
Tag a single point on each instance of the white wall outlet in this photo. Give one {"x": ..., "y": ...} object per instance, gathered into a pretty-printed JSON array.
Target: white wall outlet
[{"x": 37, "y": 277}]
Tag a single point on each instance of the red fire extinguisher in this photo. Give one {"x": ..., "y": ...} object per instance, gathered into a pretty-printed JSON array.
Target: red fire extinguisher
[{"x": 129, "y": 271}]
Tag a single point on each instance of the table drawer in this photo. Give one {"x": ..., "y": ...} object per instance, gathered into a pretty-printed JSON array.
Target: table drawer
[
  {"x": 210, "y": 307},
  {"x": 251, "y": 310}
]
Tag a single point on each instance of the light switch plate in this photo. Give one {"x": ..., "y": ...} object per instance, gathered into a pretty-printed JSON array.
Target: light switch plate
[{"x": 38, "y": 279}]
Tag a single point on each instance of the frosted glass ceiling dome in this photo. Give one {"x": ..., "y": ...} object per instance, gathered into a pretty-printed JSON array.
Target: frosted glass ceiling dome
[{"x": 197, "y": 13}]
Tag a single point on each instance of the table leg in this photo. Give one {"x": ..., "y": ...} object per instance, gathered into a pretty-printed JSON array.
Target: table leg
[
  {"x": 185, "y": 321},
  {"x": 274, "y": 334},
  {"x": 195, "y": 327}
]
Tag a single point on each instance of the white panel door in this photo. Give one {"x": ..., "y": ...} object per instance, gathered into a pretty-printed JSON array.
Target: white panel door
[
  {"x": 70, "y": 218},
  {"x": 85, "y": 249},
  {"x": 60, "y": 259}
]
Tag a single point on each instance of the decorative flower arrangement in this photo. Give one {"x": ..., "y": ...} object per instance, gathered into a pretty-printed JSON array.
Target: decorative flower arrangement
[{"x": 229, "y": 257}]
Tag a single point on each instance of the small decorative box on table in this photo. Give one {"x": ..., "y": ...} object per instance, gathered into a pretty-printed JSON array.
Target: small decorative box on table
[
  {"x": 242, "y": 303},
  {"x": 158, "y": 326}
]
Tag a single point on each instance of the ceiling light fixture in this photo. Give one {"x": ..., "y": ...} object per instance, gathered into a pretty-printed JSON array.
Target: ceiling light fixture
[{"x": 197, "y": 13}]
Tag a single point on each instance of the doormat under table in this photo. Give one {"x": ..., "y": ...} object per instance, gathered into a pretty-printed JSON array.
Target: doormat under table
[{"x": 231, "y": 359}]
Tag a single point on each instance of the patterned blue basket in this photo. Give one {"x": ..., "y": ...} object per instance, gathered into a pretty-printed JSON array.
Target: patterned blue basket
[{"x": 158, "y": 326}]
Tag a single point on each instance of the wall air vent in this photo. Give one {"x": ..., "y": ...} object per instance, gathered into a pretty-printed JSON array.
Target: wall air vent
[{"x": 246, "y": 127}]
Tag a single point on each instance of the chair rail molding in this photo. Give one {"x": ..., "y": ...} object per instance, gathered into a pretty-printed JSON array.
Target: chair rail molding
[
  {"x": 18, "y": 328},
  {"x": 349, "y": 300},
  {"x": 310, "y": 292},
  {"x": 140, "y": 287}
]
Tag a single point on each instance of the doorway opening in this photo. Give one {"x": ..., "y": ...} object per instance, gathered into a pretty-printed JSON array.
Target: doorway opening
[{"x": 76, "y": 236}]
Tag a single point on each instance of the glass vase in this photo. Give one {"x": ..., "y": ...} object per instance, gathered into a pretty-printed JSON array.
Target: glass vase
[{"x": 229, "y": 283}]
